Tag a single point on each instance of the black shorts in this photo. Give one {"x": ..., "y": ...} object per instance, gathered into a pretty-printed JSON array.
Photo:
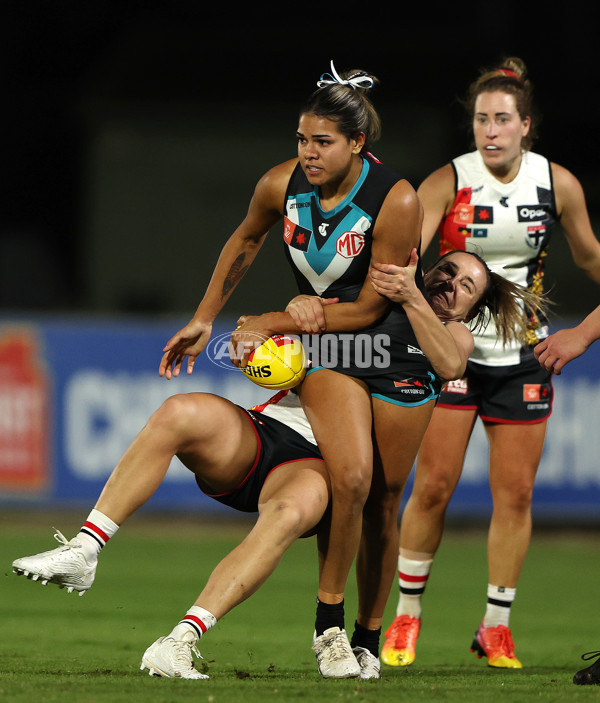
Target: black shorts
[
  {"x": 521, "y": 394},
  {"x": 386, "y": 357},
  {"x": 277, "y": 445},
  {"x": 397, "y": 387}
]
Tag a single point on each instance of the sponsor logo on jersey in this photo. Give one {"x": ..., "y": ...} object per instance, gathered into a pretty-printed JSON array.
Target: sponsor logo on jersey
[
  {"x": 323, "y": 228},
  {"x": 504, "y": 201},
  {"x": 460, "y": 385},
  {"x": 350, "y": 244},
  {"x": 533, "y": 392},
  {"x": 413, "y": 350},
  {"x": 467, "y": 214},
  {"x": 532, "y": 213},
  {"x": 296, "y": 236},
  {"x": 412, "y": 386}
]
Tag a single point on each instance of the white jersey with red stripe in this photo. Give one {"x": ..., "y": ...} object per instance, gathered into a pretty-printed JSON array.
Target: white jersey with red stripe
[
  {"x": 508, "y": 225},
  {"x": 286, "y": 407}
]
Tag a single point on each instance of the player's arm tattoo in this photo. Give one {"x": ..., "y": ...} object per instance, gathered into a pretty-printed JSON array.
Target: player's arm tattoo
[{"x": 235, "y": 275}]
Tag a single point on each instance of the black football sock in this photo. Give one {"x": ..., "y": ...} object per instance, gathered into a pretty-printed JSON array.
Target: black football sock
[
  {"x": 368, "y": 639},
  {"x": 329, "y": 615}
]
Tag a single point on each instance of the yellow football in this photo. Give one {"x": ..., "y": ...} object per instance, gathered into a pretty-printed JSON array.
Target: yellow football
[{"x": 278, "y": 363}]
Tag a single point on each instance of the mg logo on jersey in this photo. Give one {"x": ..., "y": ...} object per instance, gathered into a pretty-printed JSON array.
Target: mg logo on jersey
[{"x": 350, "y": 244}]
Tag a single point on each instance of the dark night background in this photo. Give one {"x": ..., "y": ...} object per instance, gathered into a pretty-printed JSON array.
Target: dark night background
[{"x": 134, "y": 133}]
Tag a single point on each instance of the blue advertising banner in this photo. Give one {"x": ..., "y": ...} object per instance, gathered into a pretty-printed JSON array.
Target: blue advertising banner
[
  {"x": 74, "y": 392},
  {"x": 93, "y": 385}
]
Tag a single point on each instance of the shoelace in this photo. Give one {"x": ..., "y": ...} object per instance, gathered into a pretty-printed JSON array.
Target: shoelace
[
  {"x": 590, "y": 655},
  {"x": 183, "y": 652},
  {"x": 505, "y": 641},
  {"x": 60, "y": 538},
  {"x": 339, "y": 648}
]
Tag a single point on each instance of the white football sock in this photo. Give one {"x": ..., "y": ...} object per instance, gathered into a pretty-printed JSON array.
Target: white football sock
[
  {"x": 412, "y": 579},
  {"x": 195, "y": 623},
  {"x": 95, "y": 533},
  {"x": 499, "y": 601}
]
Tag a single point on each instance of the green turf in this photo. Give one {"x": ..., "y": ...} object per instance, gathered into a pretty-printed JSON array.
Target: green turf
[{"x": 60, "y": 647}]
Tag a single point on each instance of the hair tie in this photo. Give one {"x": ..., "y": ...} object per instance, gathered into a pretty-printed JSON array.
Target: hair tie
[
  {"x": 509, "y": 72},
  {"x": 356, "y": 80}
]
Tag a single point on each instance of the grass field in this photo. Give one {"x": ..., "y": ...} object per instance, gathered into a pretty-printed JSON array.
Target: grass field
[{"x": 60, "y": 647}]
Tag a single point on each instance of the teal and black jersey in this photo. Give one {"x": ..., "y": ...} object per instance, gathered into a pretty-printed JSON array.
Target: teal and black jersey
[{"x": 330, "y": 252}]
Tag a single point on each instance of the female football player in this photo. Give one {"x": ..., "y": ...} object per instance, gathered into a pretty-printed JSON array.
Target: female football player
[
  {"x": 264, "y": 459},
  {"x": 501, "y": 200},
  {"x": 341, "y": 207}
]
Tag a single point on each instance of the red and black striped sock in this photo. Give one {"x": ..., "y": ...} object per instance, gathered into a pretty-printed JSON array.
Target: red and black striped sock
[
  {"x": 95, "y": 532},
  {"x": 412, "y": 579},
  {"x": 196, "y": 622}
]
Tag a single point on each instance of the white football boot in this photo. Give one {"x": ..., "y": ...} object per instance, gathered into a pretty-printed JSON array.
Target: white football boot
[
  {"x": 66, "y": 566},
  {"x": 370, "y": 666},
  {"x": 335, "y": 658},
  {"x": 171, "y": 658}
]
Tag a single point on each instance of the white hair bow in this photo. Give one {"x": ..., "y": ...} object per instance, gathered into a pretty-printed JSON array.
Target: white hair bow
[{"x": 357, "y": 80}]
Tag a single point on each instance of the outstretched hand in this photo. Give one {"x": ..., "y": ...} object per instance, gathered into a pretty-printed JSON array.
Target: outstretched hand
[
  {"x": 188, "y": 342},
  {"x": 395, "y": 282}
]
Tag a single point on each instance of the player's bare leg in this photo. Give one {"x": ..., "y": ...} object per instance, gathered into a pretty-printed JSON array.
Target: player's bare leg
[
  {"x": 293, "y": 500},
  {"x": 210, "y": 434},
  {"x": 398, "y": 432},
  {"x": 515, "y": 453},
  {"x": 439, "y": 466}
]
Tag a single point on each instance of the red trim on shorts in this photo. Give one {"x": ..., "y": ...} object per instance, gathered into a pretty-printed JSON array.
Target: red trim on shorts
[
  {"x": 255, "y": 464},
  {"x": 292, "y": 461},
  {"x": 456, "y": 407},
  {"x": 499, "y": 421},
  {"x": 252, "y": 469}
]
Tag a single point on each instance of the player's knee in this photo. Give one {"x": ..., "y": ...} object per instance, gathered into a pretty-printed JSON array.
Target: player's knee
[
  {"x": 183, "y": 413},
  {"x": 434, "y": 493},
  {"x": 517, "y": 497},
  {"x": 287, "y": 517},
  {"x": 351, "y": 486}
]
